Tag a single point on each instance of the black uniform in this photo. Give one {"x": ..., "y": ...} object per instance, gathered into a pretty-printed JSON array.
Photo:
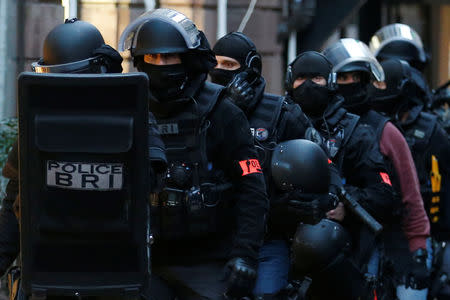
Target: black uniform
[
  {"x": 213, "y": 207},
  {"x": 403, "y": 100},
  {"x": 351, "y": 147},
  {"x": 272, "y": 120},
  {"x": 230, "y": 157},
  {"x": 393, "y": 240}
]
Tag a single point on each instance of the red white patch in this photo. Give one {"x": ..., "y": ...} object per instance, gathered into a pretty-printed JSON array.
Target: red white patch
[
  {"x": 385, "y": 178},
  {"x": 330, "y": 161},
  {"x": 250, "y": 166}
]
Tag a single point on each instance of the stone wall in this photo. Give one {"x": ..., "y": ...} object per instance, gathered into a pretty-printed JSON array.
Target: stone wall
[
  {"x": 24, "y": 25},
  {"x": 39, "y": 18}
]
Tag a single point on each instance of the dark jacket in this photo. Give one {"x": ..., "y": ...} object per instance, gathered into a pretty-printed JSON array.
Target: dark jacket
[
  {"x": 229, "y": 143},
  {"x": 358, "y": 161},
  {"x": 352, "y": 148}
]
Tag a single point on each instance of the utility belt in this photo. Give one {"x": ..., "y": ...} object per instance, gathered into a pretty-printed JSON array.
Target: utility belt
[
  {"x": 193, "y": 210},
  {"x": 193, "y": 200}
]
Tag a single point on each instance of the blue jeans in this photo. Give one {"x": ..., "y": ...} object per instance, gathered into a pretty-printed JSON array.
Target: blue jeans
[
  {"x": 403, "y": 293},
  {"x": 273, "y": 267}
]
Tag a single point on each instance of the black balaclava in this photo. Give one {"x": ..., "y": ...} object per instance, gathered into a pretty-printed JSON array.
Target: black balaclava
[
  {"x": 391, "y": 100},
  {"x": 312, "y": 98},
  {"x": 167, "y": 82},
  {"x": 236, "y": 46},
  {"x": 355, "y": 94}
]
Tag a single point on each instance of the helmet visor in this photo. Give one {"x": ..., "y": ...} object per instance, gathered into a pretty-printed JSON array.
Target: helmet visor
[
  {"x": 90, "y": 65},
  {"x": 396, "y": 32},
  {"x": 348, "y": 51},
  {"x": 185, "y": 26}
]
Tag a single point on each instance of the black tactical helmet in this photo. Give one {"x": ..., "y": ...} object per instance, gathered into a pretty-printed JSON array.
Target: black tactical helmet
[
  {"x": 159, "y": 36},
  {"x": 350, "y": 55},
  {"x": 77, "y": 47},
  {"x": 317, "y": 246},
  {"x": 300, "y": 164},
  {"x": 399, "y": 41},
  {"x": 402, "y": 90},
  {"x": 168, "y": 31}
]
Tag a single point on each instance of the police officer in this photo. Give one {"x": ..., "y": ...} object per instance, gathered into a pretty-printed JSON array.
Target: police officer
[
  {"x": 355, "y": 73},
  {"x": 402, "y": 101},
  {"x": 400, "y": 41},
  {"x": 214, "y": 206},
  {"x": 73, "y": 47},
  {"x": 272, "y": 120},
  {"x": 311, "y": 83}
]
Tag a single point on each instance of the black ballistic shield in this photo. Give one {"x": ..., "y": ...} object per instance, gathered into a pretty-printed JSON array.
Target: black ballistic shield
[{"x": 83, "y": 151}]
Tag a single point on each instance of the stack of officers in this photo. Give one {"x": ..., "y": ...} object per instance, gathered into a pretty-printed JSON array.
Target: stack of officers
[{"x": 283, "y": 178}]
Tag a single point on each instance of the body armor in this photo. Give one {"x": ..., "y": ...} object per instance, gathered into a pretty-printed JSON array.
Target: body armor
[
  {"x": 419, "y": 138},
  {"x": 263, "y": 124},
  {"x": 377, "y": 122},
  {"x": 342, "y": 124},
  {"x": 190, "y": 204}
]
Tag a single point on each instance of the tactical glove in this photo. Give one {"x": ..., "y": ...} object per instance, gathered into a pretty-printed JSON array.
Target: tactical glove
[
  {"x": 309, "y": 208},
  {"x": 419, "y": 276},
  {"x": 240, "y": 91},
  {"x": 240, "y": 274}
]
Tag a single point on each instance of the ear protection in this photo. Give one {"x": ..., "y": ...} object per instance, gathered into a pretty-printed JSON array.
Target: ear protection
[
  {"x": 253, "y": 59},
  {"x": 289, "y": 80}
]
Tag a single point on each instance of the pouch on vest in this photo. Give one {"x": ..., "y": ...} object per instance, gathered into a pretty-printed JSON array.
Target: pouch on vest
[{"x": 192, "y": 203}]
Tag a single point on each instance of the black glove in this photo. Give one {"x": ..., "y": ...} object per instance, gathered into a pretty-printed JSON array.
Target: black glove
[
  {"x": 309, "y": 208},
  {"x": 240, "y": 275},
  {"x": 240, "y": 91},
  {"x": 419, "y": 277}
]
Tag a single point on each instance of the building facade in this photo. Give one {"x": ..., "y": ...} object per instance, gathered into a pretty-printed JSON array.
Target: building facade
[{"x": 25, "y": 23}]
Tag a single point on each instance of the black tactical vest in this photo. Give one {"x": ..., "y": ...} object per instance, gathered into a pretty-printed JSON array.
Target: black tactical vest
[
  {"x": 340, "y": 128},
  {"x": 377, "y": 122},
  {"x": 418, "y": 136},
  {"x": 188, "y": 205},
  {"x": 264, "y": 124}
]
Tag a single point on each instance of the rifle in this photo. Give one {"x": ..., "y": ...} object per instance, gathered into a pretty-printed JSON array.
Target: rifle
[{"x": 352, "y": 204}]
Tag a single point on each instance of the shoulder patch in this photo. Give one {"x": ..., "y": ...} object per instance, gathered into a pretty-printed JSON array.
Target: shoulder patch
[{"x": 250, "y": 166}]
